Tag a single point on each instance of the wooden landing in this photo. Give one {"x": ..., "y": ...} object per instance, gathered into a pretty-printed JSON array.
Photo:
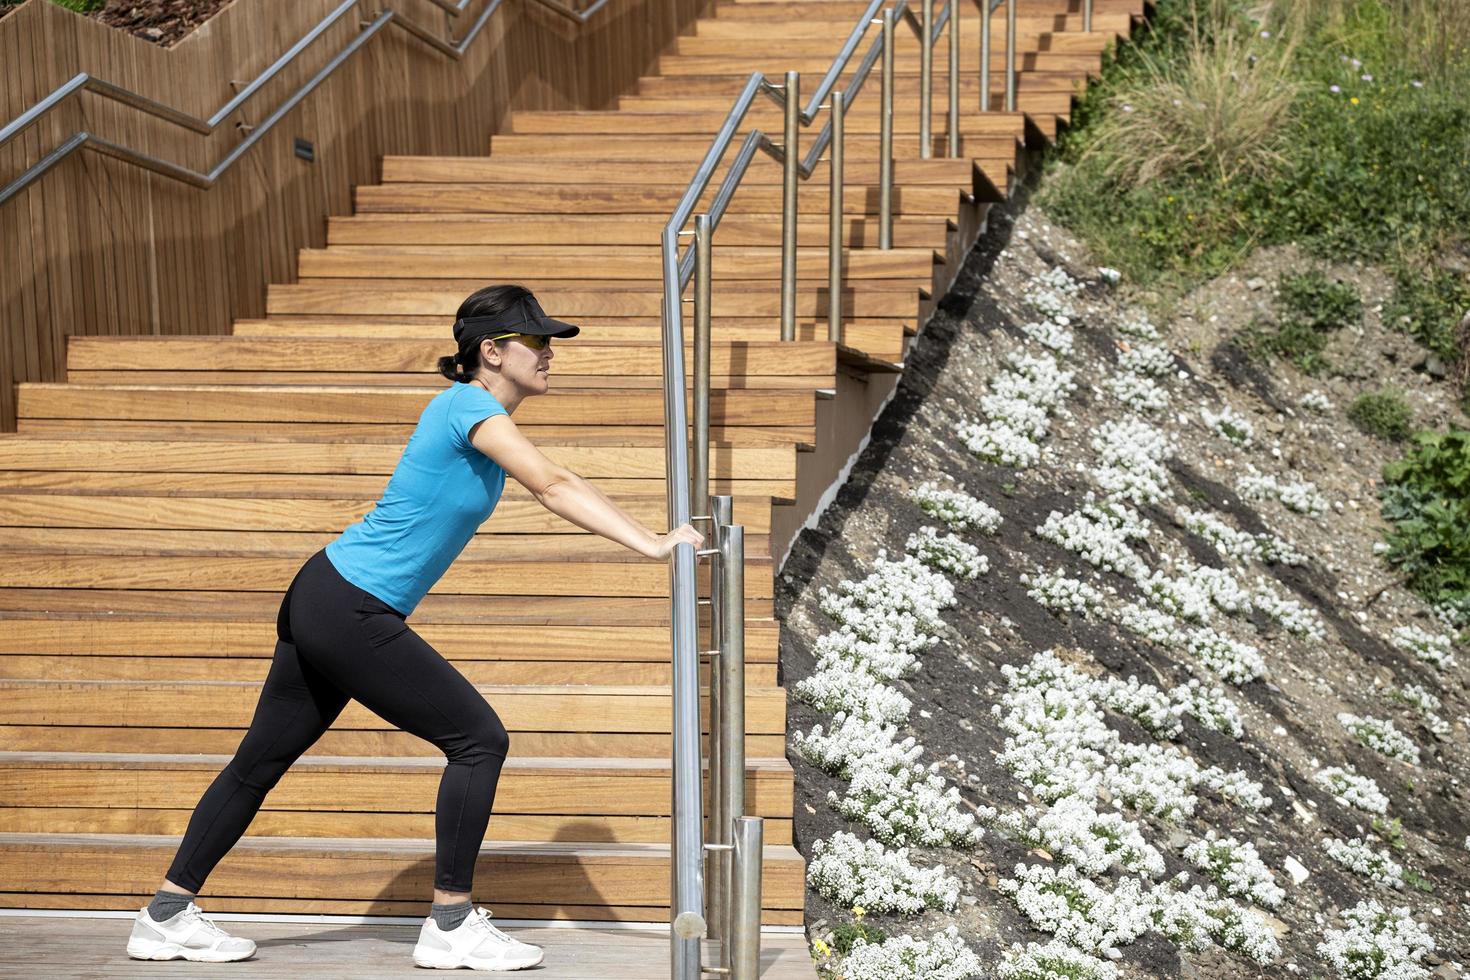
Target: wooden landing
[{"x": 35, "y": 946}]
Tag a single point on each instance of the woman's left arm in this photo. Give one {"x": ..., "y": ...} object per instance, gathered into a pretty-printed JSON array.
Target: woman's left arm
[{"x": 568, "y": 495}]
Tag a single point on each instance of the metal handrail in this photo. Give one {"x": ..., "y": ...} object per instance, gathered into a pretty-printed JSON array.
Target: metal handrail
[
  {"x": 738, "y": 921},
  {"x": 87, "y": 82}
]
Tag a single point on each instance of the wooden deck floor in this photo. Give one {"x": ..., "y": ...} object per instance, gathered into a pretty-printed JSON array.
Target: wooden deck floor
[{"x": 87, "y": 948}]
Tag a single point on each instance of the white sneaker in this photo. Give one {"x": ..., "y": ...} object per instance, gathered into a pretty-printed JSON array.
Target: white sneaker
[
  {"x": 475, "y": 944},
  {"x": 188, "y": 935}
]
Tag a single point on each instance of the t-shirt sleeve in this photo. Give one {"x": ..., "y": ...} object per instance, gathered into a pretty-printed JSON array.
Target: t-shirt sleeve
[{"x": 468, "y": 408}]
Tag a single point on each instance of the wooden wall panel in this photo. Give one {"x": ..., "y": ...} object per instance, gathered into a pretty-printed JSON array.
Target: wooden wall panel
[{"x": 98, "y": 246}]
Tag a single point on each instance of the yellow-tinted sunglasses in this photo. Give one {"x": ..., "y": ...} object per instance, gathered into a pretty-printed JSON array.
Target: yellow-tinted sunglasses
[{"x": 535, "y": 341}]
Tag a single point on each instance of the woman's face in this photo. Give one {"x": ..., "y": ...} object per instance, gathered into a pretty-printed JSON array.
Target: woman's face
[{"x": 526, "y": 368}]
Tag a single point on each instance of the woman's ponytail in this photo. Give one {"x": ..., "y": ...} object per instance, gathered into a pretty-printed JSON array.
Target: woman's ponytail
[{"x": 455, "y": 369}]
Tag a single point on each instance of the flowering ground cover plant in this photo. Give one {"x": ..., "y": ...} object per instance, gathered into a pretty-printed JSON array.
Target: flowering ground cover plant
[{"x": 1096, "y": 694}]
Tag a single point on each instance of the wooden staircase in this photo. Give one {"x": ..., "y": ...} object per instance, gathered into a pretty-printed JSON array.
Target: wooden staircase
[{"x": 154, "y": 507}]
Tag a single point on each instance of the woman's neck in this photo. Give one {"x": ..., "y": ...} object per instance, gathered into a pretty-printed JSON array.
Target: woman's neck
[{"x": 503, "y": 391}]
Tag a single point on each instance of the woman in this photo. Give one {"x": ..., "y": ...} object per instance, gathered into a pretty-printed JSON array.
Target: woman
[{"x": 342, "y": 635}]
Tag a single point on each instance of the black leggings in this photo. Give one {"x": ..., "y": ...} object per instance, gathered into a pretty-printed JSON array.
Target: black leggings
[{"x": 337, "y": 642}]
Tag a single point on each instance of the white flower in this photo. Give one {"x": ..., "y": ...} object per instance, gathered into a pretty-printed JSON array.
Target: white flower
[
  {"x": 852, "y": 872},
  {"x": 1050, "y": 334},
  {"x": 1230, "y": 424},
  {"x": 907, "y": 805},
  {"x": 1359, "y": 856},
  {"x": 960, "y": 511},
  {"x": 1150, "y": 623},
  {"x": 1131, "y": 454},
  {"x": 1051, "y": 961},
  {"x": 1138, "y": 392},
  {"x": 1078, "y": 910},
  {"x": 856, "y": 693},
  {"x": 1109, "y": 275},
  {"x": 1301, "y": 497},
  {"x": 1073, "y": 831},
  {"x": 1135, "y": 323},
  {"x": 1099, "y": 533},
  {"x": 853, "y": 738},
  {"x": 1153, "y": 360},
  {"x": 1377, "y": 944},
  {"x": 1058, "y": 592},
  {"x": 1236, "y": 867},
  {"x": 1380, "y": 735},
  {"x": 1316, "y": 401},
  {"x": 1350, "y": 789},
  {"x": 1432, "y": 648},
  {"x": 943, "y": 957},
  {"x": 1232, "y": 660},
  {"x": 1210, "y": 706},
  {"x": 948, "y": 553}
]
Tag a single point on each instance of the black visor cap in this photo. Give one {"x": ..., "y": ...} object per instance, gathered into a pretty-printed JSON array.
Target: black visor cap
[{"x": 525, "y": 316}]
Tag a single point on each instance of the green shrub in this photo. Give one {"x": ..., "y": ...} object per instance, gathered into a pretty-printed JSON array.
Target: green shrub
[
  {"x": 1376, "y": 169},
  {"x": 1384, "y": 414},
  {"x": 1426, "y": 500},
  {"x": 848, "y": 933},
  {"x": 1311, "y": 307},
  {"x": 1430, "y": 306}
]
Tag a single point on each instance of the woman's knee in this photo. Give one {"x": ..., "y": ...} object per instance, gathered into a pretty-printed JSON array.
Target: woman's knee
[{"x": 486, "y": 737}]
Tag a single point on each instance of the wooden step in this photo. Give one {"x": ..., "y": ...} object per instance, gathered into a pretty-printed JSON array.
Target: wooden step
[
  {"x": 159, "y": 636},
  {"x": 340, "y": 297},
  {"x": 233, "y": 606},
  {"x": 193, "y": 491},
  {"x": 519, "y": 880},
  {"x": 521, "y": 170},
  {"x": 504, "y": 547},
  {"x": 691, "y": 147},
  {"x": 708, "y": 121},
  {"x": 137, "y": 508},
  {"x": 533, "y": 200},
  {"x": 590, "y": 357},
  {"x": 606, "y": 800},
  {"x": 906, "y": 108},
  {"x": 347, "y": 404},
  {"x": 802, "y": 39},
  {"x": 722, "y": 437},
  {"x": 250, "y": 573},
  {"x": 814, "y": 66},
  {"x": 570, "y": 721},
  {"x": 729, "y": 86},
  {"x": 637, "y": 263},
  {"x": 628, "y": 709},
  {"x": 505, "y": 670},
  {"x": 378, "y": 458},
  {"x": 824, "y": 18}
]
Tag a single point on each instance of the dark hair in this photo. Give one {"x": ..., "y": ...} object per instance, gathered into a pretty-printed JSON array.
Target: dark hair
[{"x": 489, "y": 301}]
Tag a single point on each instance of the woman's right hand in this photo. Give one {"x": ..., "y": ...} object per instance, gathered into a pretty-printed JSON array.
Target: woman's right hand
[{"x": 664, "y": 544}]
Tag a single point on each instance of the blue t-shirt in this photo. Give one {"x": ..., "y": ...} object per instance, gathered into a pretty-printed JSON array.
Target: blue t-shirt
[{"x": 441, "y": 491}]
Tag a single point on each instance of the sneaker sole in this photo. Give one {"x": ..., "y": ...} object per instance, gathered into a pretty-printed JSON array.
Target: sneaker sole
[
  {"x": 173, "y": 951},
  {"x": 497, "y": 966}
]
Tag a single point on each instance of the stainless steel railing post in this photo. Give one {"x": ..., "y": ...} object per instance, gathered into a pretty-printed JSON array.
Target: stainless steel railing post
[
  {"x": 1087, "y": 15},
  {"x": 986, "y": 10},
  {"x": 954, "y": 77},
  {"x": 732, "y": 702},
  {"x": 885, "y": 139},
  {"x": 1010, "y": 55},
  {"x": 926, "y": 80},
  {"x": 699, "y": 492},
  {"x": 791, "y": 158},
  {"x": 745, "y": 938},
  {"x": 686, "y": 865},
  {"x": 835, "y": 220}
]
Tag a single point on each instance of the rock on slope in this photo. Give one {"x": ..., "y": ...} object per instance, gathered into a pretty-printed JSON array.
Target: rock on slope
[{"x": 1230, "y": 535}]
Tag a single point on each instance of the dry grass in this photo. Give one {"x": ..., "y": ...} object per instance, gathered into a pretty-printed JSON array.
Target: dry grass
[{"x": 1219, "y": 111}]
